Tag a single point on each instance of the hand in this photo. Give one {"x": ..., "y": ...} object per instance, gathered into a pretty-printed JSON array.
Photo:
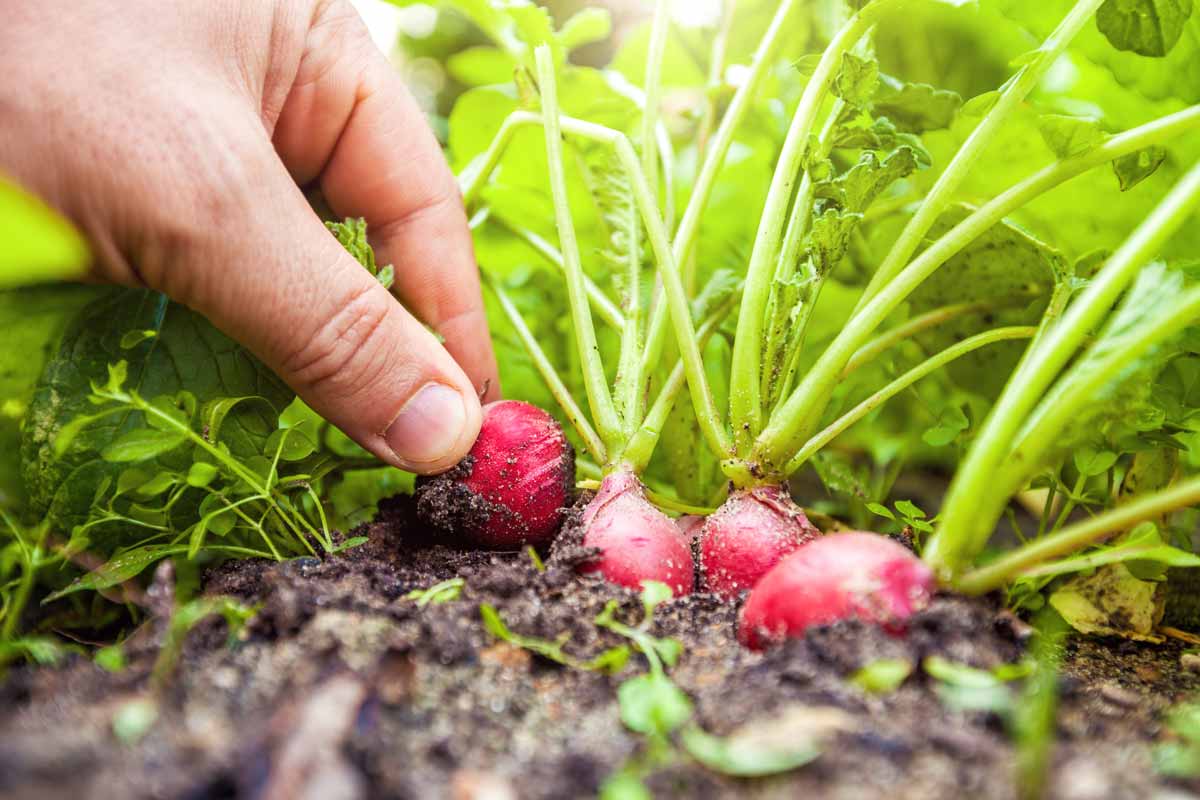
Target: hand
[{"x": 177, "y": 135}]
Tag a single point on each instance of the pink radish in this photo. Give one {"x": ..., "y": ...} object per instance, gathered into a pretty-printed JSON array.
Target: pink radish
[
  {"x": 512, "y": 488},
  {"x": 852, "y": 575},
  {"x": 637, "y": 542},
  {"x": 748, "y": 535}
]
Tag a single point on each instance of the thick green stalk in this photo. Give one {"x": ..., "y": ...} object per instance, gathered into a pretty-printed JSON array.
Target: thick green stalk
[
  {"x": 604, "y": 413},
  {"x": 1075, "y": 537},
  {"x": 1067, "y": 400},
  {"x": 641, "y": 445},
  {"x": 777, "y": 386},
  {"x": 942, "y": 193},
  {"x": 549, "y": 374},
  {"x": 745, "y": 396},
  {"x": 964, "y": 529},
  {"x": 714, "y": 158},
  {"x": 798, "y": 418},
  {"x": 957, "y": 350}
]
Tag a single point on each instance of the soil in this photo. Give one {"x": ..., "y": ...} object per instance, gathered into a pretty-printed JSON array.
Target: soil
[{"x": 342, "y": 687}]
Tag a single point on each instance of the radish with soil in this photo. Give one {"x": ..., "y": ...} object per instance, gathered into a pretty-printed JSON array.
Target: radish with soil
[
  {"x": 512, "y": 489},
  {"x": 852, "y": 575},
  {"x": 748, "y": 535},
  {"x": 776, "y": 418}
]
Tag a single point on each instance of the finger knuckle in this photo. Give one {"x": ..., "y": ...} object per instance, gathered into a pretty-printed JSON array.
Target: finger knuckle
[{"x": 347, "y": 353}]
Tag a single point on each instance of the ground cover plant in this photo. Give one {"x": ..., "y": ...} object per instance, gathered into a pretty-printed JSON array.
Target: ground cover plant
[{"x": 788, "y": 275}]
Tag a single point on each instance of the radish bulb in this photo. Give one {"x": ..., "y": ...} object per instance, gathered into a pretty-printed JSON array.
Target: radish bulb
[
  {"x": 852, "y": 575},
  {"x": 637, "y": 542},
  {"x": 748, "y": 535},
  {"x": 512, "y": 488}
]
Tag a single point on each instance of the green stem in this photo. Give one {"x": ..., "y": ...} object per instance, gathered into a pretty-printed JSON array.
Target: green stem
[
  {"x": 718, "y": 148},
  {"x": 957, "y": 350},
  {"x": 1081, "y": 534},
  {"x": 600, "y": 400},
  {"x": 659, "y": 28},
  {"x": 641, "y": 445},
  {"x": 942, "y": 192},
  {"x": 605, "y": 309},
  {"x": 745, "y": 396},
  {"x": 906, "y": 330},
  {"x": 798, "y": 418},
  {"x": 549, "y": 374},
  {"x": 1069, "y": 398},
  {"x": 965, "y": 524}
]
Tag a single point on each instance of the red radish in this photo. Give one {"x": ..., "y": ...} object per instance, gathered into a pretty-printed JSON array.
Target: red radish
[
  {"x": 852, "y": 575},
  {"x": 637, "y": 541},
  {"x": 511, "y": 489},
  {"x": 748, "y": 535}
]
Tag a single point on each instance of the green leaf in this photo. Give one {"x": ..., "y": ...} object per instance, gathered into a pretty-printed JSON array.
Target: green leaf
[
  {"x": 36, "y": 244},
  {"x": 915, "y": 107},
  {"x": 188, "y": 361},
  {"x": 980, "y": 104},
  {"x": 624, "y": 785},
  {"x": 440, "y": 593},
  {"x": 481, "y": 66},
  {"x": 1135, "y": 167},
  {"x": 883, "y": 675},
  {"x": 1110, "y": 602},
  {"x": 120, "y": 568},
  {"x": 880, "y": 510},
  {"x": 654, "y": 594},
  {"x": 651, "y": 704},
  {"x": 857, "y": 80},
  {"x": 951, "y": 421},
  {"x": 141, "y": 445},
  {"x": 1091, "y": 462},
  {"x": 111, "y": 658},
  {"x": 860, "y": 185},
  {"x": 201, "y": 474},
  {"x": 134, "y": 338},
  {"x": 588, "y": 25},
  {"x": 910, "y": 509},
  {"x": 1007, "y": 271},
  {"x": 33, "y": 320},
  {"x": 1069, "y": 137},
  {"x": 1145, "y": 27},
  {"x": 745, "y": 755},
  {"x": 156, "y": 485}
]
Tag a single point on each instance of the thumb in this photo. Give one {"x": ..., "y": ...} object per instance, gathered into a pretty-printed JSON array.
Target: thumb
[{"x": 330, "y": 330}]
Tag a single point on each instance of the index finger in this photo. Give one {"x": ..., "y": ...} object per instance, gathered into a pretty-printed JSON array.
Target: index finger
[{"x": 350, "y": 121}]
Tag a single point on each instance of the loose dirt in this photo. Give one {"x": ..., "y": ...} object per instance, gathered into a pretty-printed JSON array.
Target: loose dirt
[{"x": 341, "y": 687}]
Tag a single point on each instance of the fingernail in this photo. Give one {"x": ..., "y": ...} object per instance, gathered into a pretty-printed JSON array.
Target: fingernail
[{"x": 429, "y": 425}]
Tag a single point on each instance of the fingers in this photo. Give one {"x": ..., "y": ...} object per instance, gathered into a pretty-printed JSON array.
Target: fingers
[
  {"x": 350, "y": 122},
  {"x": 292, "y": 294}
]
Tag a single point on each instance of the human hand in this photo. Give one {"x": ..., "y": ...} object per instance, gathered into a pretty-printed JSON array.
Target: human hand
[{"x": 177, "y": 135}]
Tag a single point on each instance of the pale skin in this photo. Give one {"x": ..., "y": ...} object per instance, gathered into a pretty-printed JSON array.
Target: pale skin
[{"x": 177, "y": 136}]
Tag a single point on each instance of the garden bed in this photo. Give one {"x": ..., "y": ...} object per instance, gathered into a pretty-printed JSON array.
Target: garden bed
[{"x": 343, "y": 687}]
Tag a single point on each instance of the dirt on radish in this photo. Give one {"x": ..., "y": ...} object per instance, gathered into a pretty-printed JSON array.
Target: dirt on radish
[{"x": 343, "y": 683}]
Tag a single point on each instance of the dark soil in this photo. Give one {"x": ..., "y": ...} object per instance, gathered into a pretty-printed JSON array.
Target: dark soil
[{"x": 341, "y": 687}]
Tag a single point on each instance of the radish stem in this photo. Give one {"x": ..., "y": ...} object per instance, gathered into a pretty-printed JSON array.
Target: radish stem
[
  {"x": 1074, "y": 537},
  {"x": 604, "y": 413},
  {"x": 797, "y": 419},
  {"x": 550, "y": 375},
  {"x": 745, "y": 398},
  {"x": 967, "y": 515},
  {"x": 957, "y": 350}
]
